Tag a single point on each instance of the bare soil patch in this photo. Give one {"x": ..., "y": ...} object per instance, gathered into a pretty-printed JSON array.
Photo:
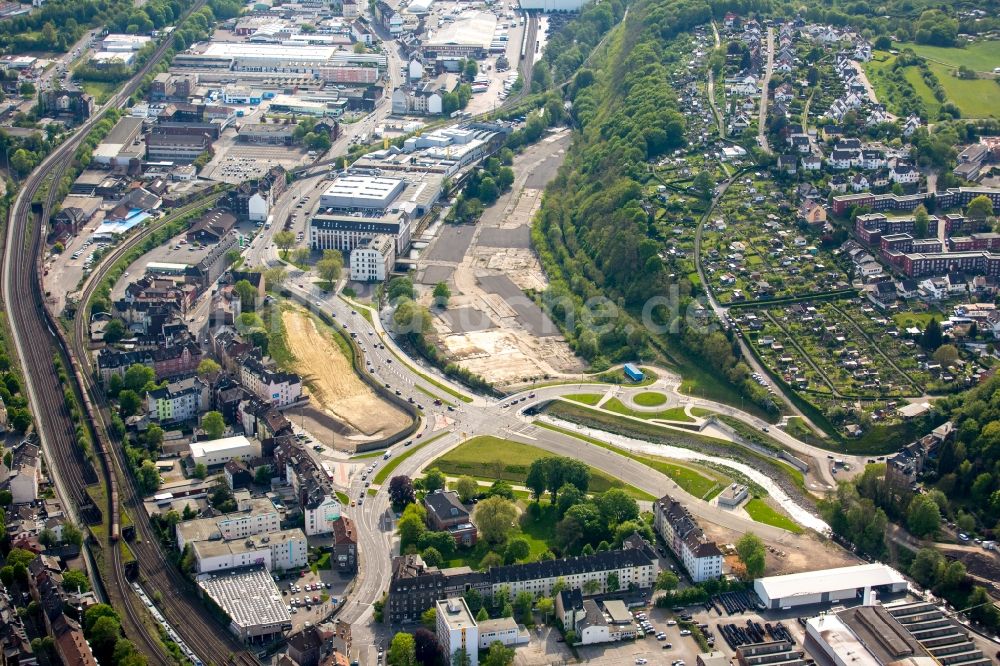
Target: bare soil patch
[{"x": 335, "y": 388}]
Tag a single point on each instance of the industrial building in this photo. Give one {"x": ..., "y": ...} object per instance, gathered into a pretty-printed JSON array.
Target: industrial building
[
  {"x": 361, "y": 192},
  {"x": 251, "y": 601},
  {"x": 904, "y": 634},
  {"x": 221, "y": 451},
  {"x": 469, "y": 36},
  {"x": 828, "y": 585}
]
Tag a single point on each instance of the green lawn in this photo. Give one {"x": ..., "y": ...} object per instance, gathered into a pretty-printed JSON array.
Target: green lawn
[
  {"x": 650, "y": 399},
  {"x": 918, "y": 319},
  {"x": 344, "y": 499},
  {"x": 977, "y": 98},
  {"x": 618, "y": 377},
  {"x": 705, "y": 486},
  {"x": 673, "y": 414},
  {"x": 490, "y": 458},
  {"x": 701, "y": 412},
  {"x": 762, "y": 512},
  {"x": 99, "y": 90},
  {"x": 586, "y": 398},
  {"x": 394, "y": 461},
  {"x": 981, "y": 56},
  {"x": 913, "y": 76}
]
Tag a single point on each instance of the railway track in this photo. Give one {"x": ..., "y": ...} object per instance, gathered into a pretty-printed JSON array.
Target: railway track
[{"x": 38, "y": 339}]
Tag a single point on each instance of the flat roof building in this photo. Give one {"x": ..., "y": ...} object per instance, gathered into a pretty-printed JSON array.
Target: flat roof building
[
  {"x": 221, "y": 451},
  {"x": 251, "y": 601},
  {"x": 457, "y": 630},
  {"x": 828, "y": 585},
  {"x": 361, "y": 191}
]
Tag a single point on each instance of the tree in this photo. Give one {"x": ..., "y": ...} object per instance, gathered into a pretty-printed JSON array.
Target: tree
[
  {"x": 613, "y": 582},
  {"x": 402, "y": 650},
  {"x": 946, "y": 355},
  {"x": 441, "y": 295},
  {"x": 979, "y": 209},
  {"x": 273, "y": 277},
  {"x": 517, "y": 549},
  {"x": 47, "y": 538},
  {"x": 148, "y": 476},
  {"x": 22, "y": 161},
  {"x": 114, "y": 331},
  {"x": 129, "y": 402},
  {"x": 495, "y": 518},
  {"x": 926, "y": 566},
  {"x": 433, "y": 480},
  {"x": 401, "y": 491},
  {"x": 569, "y": 496},
  {"x": 923, "y": 517},
  {"x": 920, "y": 221},
  {"x": 467, "y": 488},
  {"x": 498, "y": 655},
  {"x": 138, "y": 376},
  {"x": 284, "y": 240},
  {"x": 213, "y": 424},
  {"x": 482, "y": 615},
  {"x": 429, "y": 618},
  {"x": 262, "y": 477},
  {"x": 667, "y": 580},
  {"x": 76, "y": 581},
  {"x": 27, "y": 89},
  {"x": 71, "y": 534},
  {"x": 617, "y": 507},
  {"x": 931, "y": 338},
  {"x": 592, "y": 586},
  {"x": 428, "y": 650},
  {"x": 505, "y": 178},
  {"x": 489, "y": 191},
  {"x": 461, "y": 658},
  {"x": 470, "y": 69},
  {"x": 490, "y": 560},
  {"x": 431, "y": 556},
  {"x": 248, "y": 295},
  {"x": 330, "y": 266},
  {"x": 537, "y": 479},
  {"x": 752, "y": 553},
  {"x": 102, "y": 637},
  {"x": 208, "y": 368},
  {"x": 704, "y": 185},
  {"x": 200, "y": 471},
  {"x": 411, "y": 524}
]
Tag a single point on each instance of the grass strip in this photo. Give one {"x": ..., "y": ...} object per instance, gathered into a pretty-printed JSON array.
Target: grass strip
[
  {"x": 762, "y": 512},
  {"x": 395, "y": 461},
  {"x": 688, "y": 479}
]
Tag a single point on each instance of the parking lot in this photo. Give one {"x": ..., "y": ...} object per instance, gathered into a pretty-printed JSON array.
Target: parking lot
[{"x": 312, "y": 597}]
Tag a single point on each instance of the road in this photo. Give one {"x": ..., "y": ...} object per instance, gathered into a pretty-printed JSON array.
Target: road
[{"x": 764, "y": 94}]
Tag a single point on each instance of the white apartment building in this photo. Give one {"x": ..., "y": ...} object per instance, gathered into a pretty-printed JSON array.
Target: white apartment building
[
  {"x": 254, "y": 517},
  {"x": 701, "y": 558},
  {"x": 373, "y": 262},
  {"x": 178, "y": 401},
  {"x": 321, "y": 514},
  {"x": 457, "y": 630},
  {"x": 221, "y": 451},
  {"x": 281, "y": 389}
]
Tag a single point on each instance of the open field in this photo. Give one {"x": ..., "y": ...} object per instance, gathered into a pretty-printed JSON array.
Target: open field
[
  {"x": 334, "y": 386},
  {"x": 762, "y": 512},
  {"x": 494, "y": 458},
  {"x": 977, "y": 98},
  {"x": 586, "y": 398},
  {"x": 980, "y": 56}
]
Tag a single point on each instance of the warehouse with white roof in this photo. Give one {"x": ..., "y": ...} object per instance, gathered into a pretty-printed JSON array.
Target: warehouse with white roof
[
  {"x": 221, "y": 451},
  {"x": 361, "y": 192},
  {"x": 828, "y": 585}
]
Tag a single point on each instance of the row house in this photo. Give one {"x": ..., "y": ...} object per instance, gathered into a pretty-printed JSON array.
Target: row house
[
  {"x": 166, "y": 362},
  {"x": 701, "y": 558}
]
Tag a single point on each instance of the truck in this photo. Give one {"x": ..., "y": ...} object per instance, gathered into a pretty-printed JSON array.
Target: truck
[
  {"x": 989, "y": 545},
  {"x": 269, "y": 222}
]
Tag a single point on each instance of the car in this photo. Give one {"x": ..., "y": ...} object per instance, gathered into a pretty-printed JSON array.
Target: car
[
  {"x": 671, "y": 623},
  {"x": 419, "y": 435},
  {"x": 640, "y": 660},
  {"x": 963, "y": 536},
  {"x": 685, "y": 632},
  {"x": 315, "y": 599},
  {"x": 661, "y": 637}
]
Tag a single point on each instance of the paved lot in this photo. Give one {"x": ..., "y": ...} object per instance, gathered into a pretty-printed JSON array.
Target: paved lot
[
  {"x": 434, "y": 274},
  {"x": 518, "y": 237},
  {"x": 529, "y": 314},
  {"x": 451, "y": 244},
  {"x": 465, "y": 320}
]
